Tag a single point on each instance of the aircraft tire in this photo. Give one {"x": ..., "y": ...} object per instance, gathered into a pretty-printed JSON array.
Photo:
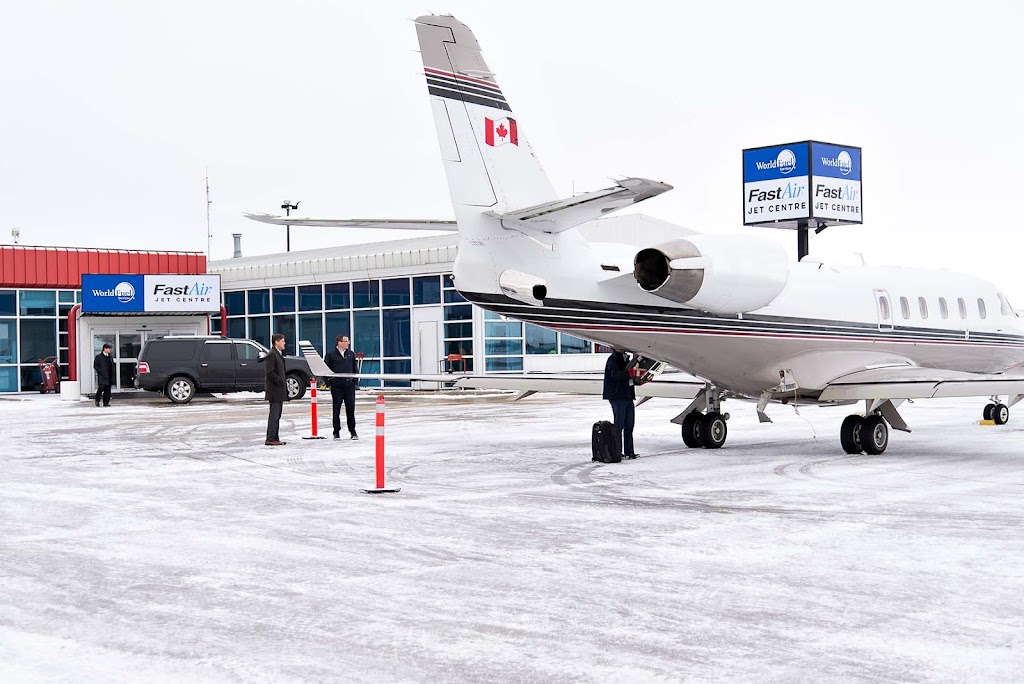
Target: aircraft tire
[
  {"x": 691, "y": 429},
  {"x": 874, "y": 435},
  {"x": 1000, "y": 414},
  {"x": 713, "y": 430},
  {"x": 850, "y": 434},
  {"x": 987, "y": 412}
]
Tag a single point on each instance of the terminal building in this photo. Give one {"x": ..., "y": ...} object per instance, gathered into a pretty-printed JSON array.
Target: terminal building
[{"x": 395, "y": 299}]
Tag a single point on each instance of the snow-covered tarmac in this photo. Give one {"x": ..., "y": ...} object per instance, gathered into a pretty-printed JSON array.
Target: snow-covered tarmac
[{"x": 151, "y": 542}]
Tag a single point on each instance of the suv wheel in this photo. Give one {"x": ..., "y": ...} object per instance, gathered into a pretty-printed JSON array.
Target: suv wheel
[
  {"x": 296, "y": 388},
  {"x": 181, "y": 389}
]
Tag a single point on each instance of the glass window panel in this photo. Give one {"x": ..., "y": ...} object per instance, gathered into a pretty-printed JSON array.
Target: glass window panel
[
  {"x": 31, "y": 379},
  {"x": 366, "y": 333},
  {"x": 883, "y": 307},
  {"x": 99, "y": 340},
  {"x": 449, "y": 280},
  {"x": 236, "y": 328},
  {"x": 310, "y": 298},
  {"x": 286, "y": 326},
  {"x": 503, "y": 329},
  {"x": 943, "y": 309},
  {"x": 311, "y": 327},
  {"x": 66, "y": 296},
  {"x": 509, "y": 363},
  {"x": 336, "y": 296},
  {"x": 63, "y": 310},
  {"x": 129, "y": 345},
  {"x": 234, "y": 302},
  {"x": 962, "y": 305},
  {"x": 8, "y": 340},
  {"x": 128, "y": 371},
  {"x": 38, "y": 303},
  {"x": 365, "y": 294},
  {"x": 404, "y": 366},
  {"x": 426, "y": 290},
  {"x": 574, "y": 345},
  {"x": 905, "y": 307},
  {"x": 981, "y": 312},
  {"x": 1004, "y": 305},
  {"x": 462, "y": 312},
  {"x": 259, "y": 302},
  {"x": 216, "y": 351},
  {"x": 259, "y": 330},
  {"x": 395, "y": 292},
  {"x": 464, "y": 347},
  {"x": 337, "y": 323},
  {"x": 369, "y": 367},
  {"x": 284, "y": 299},
  {"x": 64, "y": 363},
  {"x": 602, "y": 349},
  {"x": 215, "y": 325},
  {"x": 540, "y": 340},
  {"x": 62, "y": 325},
  {"x": 452, "y": 297},
  {"x": 503, "y": 347},
  {"x": 456, "y": 330},
  {"x": 38, "y": 339},
  {"x": 8, "y": 303},
  {"x": 78, "y": 296},
  {"x": 9, "y": 379},
  {"x": 922, "y": 304},
  {"x": 246, "y": 352},
  {"x": 397, "y": 332}
]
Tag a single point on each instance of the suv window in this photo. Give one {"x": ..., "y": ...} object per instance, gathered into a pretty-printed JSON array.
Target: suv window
[
  {"x": 216, "y": 351},
  {"x": 246, "y": 351},
  {"x": 170, "y": 350}
]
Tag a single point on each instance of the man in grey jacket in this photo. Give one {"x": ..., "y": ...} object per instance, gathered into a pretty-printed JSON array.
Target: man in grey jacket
[{"x": 277, "y": 391}]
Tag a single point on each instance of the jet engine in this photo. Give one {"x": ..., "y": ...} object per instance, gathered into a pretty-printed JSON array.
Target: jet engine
[{"x": 723, "y": 274}]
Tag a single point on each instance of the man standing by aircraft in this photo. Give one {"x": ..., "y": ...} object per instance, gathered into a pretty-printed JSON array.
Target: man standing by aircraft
[
  {"x": 618, "y": 390},
  {"x": 277, "y": 392},
  {"x": 342, "y": 360}
]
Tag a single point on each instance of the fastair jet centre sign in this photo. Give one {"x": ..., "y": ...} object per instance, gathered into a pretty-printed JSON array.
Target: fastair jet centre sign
[
  {"x": 134, "y": 293},
  {"x": 786, "y": 185}
]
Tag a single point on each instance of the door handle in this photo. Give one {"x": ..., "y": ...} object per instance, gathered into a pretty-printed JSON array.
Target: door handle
[
  {"x": 204, "y": 365},
  {"x": 243, "y": 364}
]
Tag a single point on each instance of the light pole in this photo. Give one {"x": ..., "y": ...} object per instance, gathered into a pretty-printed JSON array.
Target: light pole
[{"x": 288, "y": 206}]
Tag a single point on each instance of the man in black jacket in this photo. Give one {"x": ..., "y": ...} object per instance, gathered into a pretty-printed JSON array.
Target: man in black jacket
[
  {"x": 343, "y": 390},
  {"x": 277, "y": 391},
  {"x": 618, "y": 390},
  {"x": 103, "y": 364}
]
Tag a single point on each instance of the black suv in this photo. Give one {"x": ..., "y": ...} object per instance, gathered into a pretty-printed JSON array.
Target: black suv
[{"x": 181, "y": 366}]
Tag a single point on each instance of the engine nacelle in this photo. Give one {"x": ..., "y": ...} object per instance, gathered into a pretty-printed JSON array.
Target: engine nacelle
[{"x": 723, "y": 274}]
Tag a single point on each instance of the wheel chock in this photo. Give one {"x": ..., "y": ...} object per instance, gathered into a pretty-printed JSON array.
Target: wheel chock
[{"x": 986, "y": 422}]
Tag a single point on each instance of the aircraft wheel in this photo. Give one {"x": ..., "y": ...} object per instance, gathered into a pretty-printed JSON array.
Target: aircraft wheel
[
  {"x": 874, "y": 435},
  {"x": 691, "y": 429},
  {"x": 713, "y": 430},
  {"x": 987, "y": 412},
  {"x": 1000, "y": 414},
  {"x": 850, "y": 434}
]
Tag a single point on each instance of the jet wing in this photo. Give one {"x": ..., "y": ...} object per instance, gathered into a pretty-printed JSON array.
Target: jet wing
[
  {"x": 665, "y": 385},
  {"x": 560, "y": 215},
  {"x": 912, "y": 382},
  {"x": 393, "y": 224}
]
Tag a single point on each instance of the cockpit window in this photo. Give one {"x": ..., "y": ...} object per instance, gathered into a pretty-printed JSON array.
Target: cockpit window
[{"x": 1004, "y": 305}]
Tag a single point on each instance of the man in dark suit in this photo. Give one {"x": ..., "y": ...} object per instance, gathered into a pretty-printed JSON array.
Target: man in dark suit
[
  {"x": 618, "y": 390},
  {"x": 275, "y": 387},
  {"x": 343, "y": 390},
  {"x": 103, "y": 364}
]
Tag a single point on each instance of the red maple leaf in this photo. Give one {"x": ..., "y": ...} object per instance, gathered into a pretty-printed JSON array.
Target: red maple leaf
[{"x": 501, "y": 130}]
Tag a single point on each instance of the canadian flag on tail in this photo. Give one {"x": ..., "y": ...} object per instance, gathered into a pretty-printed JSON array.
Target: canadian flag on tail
[{"x": 498, "y": 132}]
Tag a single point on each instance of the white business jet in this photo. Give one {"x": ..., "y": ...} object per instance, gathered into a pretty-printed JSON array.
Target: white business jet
[{"x": 729, "y": 309}]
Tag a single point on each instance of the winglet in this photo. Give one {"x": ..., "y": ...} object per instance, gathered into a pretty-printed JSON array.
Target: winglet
[{"x": 316, "y": 363}]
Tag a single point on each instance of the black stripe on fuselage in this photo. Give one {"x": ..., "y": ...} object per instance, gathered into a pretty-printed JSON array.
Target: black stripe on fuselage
[
  {"x": 569, "y": 313},
  {"x": 493, "y": 93},
  {"x": 463, "y": 96}
]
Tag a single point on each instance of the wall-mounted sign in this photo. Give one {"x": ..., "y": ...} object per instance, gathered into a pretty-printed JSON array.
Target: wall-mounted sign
[
  {"x": 787, "y": 184},
  {"x": 150, "y": 293}
]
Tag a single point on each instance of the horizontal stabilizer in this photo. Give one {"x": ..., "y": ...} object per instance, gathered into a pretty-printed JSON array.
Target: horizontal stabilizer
[
  {"x": 912, "y": 382},
  {"x": 392, "y": 224},
  {"x": 560, "y": 215}
]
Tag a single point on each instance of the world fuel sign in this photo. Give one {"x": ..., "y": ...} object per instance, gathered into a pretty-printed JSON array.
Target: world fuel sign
[{"x": 788, "y": 184}]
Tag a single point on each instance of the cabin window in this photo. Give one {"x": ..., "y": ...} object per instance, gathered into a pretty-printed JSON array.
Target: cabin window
[
  {"x": 883, "y": 307},
  {"x": 1004, "y": 305},
  {"x": 943, "y": 309},
  {"x": 981, "y": 308},
  {"x": 922, "y": 304},
  {"x": 905, "y": 307},
  {"x": 962, "y": 305}
]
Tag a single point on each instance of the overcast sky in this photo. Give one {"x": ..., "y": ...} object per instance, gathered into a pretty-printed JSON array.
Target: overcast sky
[{"x": 112, "y": 111}]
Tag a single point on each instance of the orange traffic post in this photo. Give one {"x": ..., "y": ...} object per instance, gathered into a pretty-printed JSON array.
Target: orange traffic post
[
  {"x": 312, "y": 409},
  {"x": 380, "y": 488}
]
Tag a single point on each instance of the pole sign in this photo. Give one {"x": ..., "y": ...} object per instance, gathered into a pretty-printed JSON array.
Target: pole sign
[
  {"x": 787, "y": 185},
  {"x": 132, "y": 293}
]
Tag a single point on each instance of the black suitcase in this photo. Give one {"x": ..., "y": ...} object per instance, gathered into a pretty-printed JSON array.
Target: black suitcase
[{"x": 605, "y": 441}]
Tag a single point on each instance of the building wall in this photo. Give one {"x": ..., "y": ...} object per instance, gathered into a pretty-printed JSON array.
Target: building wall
[{"x": 33, "y": 325}]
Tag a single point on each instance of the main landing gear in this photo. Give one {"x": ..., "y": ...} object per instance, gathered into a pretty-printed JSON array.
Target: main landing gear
[
  {"x": 997, "y": 413},
  {"x": 704, "y": 428},
  {"x": 864, "y": 434}
]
